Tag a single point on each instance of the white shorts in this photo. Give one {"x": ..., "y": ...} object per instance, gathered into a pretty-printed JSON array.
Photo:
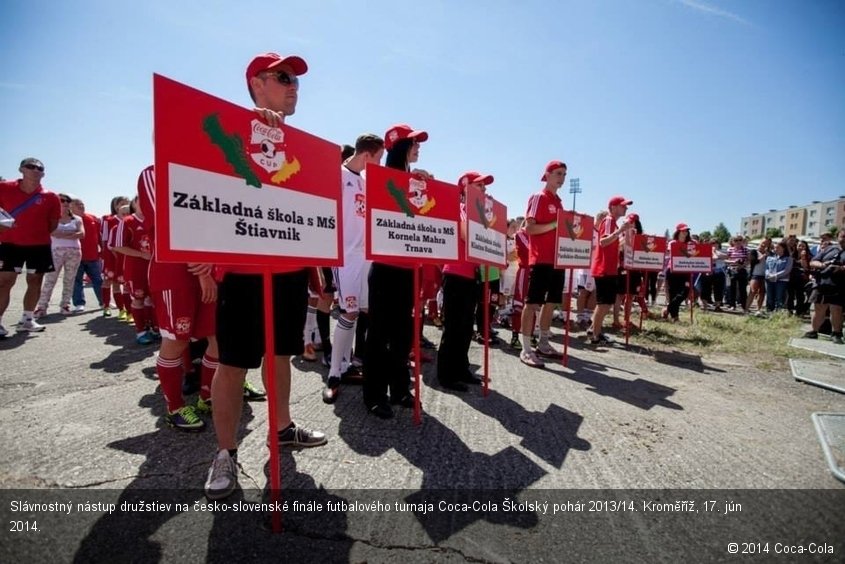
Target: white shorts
[
  {"x": 583, "y": 279},
  {"x": 353, "y": 287}
]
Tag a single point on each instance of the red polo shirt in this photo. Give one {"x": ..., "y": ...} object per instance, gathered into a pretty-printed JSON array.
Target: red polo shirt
[
  {"x": 32, "y": 225},
  {"x": 543, "y": 208},
  {"x": 606, "y": 259}
]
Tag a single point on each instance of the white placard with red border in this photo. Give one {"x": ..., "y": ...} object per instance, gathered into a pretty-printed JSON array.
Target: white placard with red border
[
  {"x": 487, "y": 229},
  {"x": 411, "y": 218},
  {"x": 574, "y": 236},
  {"x": 691, "y": 257},
  {"x": 644, "y": 252},
  {"x": 232, "y": 190}
]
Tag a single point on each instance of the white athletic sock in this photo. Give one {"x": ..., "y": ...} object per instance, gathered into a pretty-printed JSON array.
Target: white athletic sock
[
  {"x": 526, "y": 343},
  {"x": 310, "y": 324},
  {"x": 344, "y": 335}
]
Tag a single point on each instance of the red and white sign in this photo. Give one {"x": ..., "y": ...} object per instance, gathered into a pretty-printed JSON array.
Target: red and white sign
[
  {"x": 487, "y": 229},
  {"x": 232, "y": 190},
  {"x": 644, "y": 252},
  {"x": 411, "y": 218},
  {"x": 574, "y": 237},
  {"x": 691, "y": 257}
]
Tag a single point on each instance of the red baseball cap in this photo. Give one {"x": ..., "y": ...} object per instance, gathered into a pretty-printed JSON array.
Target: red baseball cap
[
  {"x": 402, "y": 131},
  {"x": 619, "y": 201},
  {"x": 632, "y": 217},
  {"x": 553, "y": 165},
  {"x": 473, "y": 176},
  {"x": 682, "y": 227},
  {"x": 268, "y": 61}
]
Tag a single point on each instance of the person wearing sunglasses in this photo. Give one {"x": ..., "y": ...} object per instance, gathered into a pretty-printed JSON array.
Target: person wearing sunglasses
[
  {"x": 273, "y": 84},
  {"x": 67, "y": 254},
  {"x": 31, "y": 213}
]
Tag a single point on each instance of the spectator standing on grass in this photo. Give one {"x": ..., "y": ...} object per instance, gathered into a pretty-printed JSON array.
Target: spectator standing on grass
[
  {"x": 737, "y": 271},
  {"x": 676, "y": 282},
  {"x": 778, "y": 271},
  {"x": 757, "y": 262},
  {"x": 827, "y": 269},
  {"x": 90, "y": 263}
]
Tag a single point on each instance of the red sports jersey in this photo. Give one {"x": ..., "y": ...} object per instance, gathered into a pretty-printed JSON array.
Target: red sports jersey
[
  {"x": 91, "y": 241},
  {"x": 163, "y": 275},
  {"x": 542, "y": 208},
  {"x": 35, "y": 216},
  {"x": 130, "y": 232},
  {"x": 606, "y": 259}
]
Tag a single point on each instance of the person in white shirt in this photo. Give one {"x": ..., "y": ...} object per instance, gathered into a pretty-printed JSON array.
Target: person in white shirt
[
  {"x": 351, "y": 279},
  {"x": 67, "y": 254}
]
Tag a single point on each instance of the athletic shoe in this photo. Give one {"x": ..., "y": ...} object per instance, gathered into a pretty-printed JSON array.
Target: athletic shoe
[
  {"x": 530, "y": 358},
  {"x": 3, "y": 332},
  {"x": 837, "y": 338},
  {"x": 121, "y": 316},
  {"x": 602, "y": 339},
  {"x": 39, "y": 313},
  {"x": 545, "y": 349},
  {"x": 426, "y": 343},
  {"x": 516, "y": 342},
  {"x": 251, "y": 393},
  {"x": 129, "y": 319},
  {"x": 106, "y": 312},
  {"x": 144, "y": 339},
  {"x": 811, "y": 335},
  {"x": 332, "y": 389},
  {"x": 65, "y": 309},
  {"x": 185, "y": 419},
  {"x": 203, "y": 407},
  {"x": 78, "y": 309},
  {"x": 30, "y": 325},
  {"x": 222, "y": 476},
  {"x": 300, "y": 437}
]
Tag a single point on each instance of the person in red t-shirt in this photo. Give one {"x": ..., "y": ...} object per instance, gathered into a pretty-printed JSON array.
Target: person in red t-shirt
[
  {"x": 28, "y": 215},
  {"x": 90, "y": 264},
  {"x": 133, "y": 242},
  {"x": 460, "y": 289},
  {"x": 113, "y": 264},
  {"x": 605, "y": 267},
  {"x": 520, "y": 283},
  {"x": 545, "y": 283}
]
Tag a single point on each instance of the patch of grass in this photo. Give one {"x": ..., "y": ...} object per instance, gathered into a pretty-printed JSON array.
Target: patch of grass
[{"x": 759, "y": 341}]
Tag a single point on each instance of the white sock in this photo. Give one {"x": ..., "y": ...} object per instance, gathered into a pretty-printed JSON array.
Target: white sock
[
  {"x": 526, "y": 343},
  {"x": 310, "y": 324},
  {"x": 344, "y": 335},
  {"x": 27, "y": 315}
]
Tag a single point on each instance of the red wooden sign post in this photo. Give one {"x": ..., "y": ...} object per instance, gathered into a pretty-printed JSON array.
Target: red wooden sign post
[{"x": 644, "y": 253}]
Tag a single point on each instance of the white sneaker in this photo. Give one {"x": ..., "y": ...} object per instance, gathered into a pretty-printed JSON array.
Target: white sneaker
[
  {"x": 30, "y": 325},
  {"x": 222, "y": 476},
  {"x": 3, "y": 332},
  {"x": 78, "y": 309}
]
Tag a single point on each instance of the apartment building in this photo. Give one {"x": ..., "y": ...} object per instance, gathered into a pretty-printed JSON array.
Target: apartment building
[{"x": 809, "y": 221}]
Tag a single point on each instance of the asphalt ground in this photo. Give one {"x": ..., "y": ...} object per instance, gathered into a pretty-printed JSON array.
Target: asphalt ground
[{"x": 81, "y": 419}]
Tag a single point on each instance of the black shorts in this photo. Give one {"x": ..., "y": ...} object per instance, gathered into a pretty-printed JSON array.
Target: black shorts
[
  {"x": 545, "y": 284},
  {"x": 240, "y": 317},
  {"x": 606, "y": 289},
  {"x": 828, "y": 294},
  {"x": 622, "y": 286},
  {"x": 38, "y": 258}
]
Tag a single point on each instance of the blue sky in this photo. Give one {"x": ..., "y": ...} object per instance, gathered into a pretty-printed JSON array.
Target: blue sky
[{"x": 699, "y": 110}]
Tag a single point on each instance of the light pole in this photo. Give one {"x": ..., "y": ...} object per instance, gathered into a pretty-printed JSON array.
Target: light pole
[{"x": 574, "y": 189}]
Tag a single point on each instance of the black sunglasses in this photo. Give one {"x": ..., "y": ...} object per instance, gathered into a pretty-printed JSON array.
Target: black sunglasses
[
  {"x": 64, "y": 201},
  {"x": 285, "y": 78},
  {"x": 31, "y": 166}
]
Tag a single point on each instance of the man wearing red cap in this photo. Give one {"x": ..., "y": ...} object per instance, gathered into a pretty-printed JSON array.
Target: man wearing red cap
[
  {"x": 605, "y": 267},
  {"x": 28, "y": 215},
  {"x": 545, "y": 283},
  {"x": 460, "y": 287},
  {"x": 273, "y": 85}
]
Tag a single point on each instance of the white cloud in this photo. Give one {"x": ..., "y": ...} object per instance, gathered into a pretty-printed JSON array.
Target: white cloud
[{"x": 709, "y": 9}]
